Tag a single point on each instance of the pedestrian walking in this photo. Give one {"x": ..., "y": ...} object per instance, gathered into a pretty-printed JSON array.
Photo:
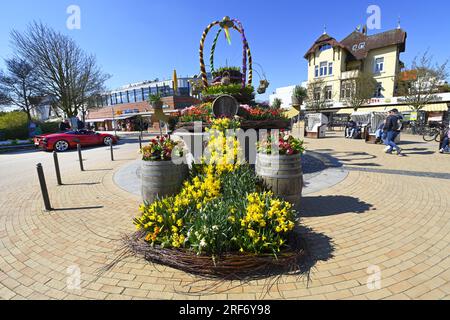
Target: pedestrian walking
[
  {"x": 445, "y": 144},
  {"x": 392, "y": 129}
]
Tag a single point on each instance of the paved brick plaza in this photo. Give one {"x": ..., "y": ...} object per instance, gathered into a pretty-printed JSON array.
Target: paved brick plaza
[{"x": 390, "y": 212}]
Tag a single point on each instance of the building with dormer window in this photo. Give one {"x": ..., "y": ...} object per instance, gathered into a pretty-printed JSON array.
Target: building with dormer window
[{"x": 337, "y": 62}]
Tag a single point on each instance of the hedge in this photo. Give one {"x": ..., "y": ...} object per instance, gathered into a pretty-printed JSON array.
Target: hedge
[{"x": 14, "y": 125}]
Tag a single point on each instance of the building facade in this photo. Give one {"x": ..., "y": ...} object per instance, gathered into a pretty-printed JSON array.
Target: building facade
[
  {"x": 126, "y": 108},
  {"x": 337, "y": 62}
]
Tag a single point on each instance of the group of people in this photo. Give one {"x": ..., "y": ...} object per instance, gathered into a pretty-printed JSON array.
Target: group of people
[
  {"x": 66, "y": 126},
  {"x": 389, "y": 131}
]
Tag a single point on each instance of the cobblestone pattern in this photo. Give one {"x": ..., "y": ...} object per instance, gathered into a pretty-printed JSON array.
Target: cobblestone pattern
[{"x": 398, "y": 223}]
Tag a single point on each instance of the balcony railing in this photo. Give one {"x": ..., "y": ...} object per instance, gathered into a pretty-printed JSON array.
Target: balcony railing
[{"x": 352, "y": 74}]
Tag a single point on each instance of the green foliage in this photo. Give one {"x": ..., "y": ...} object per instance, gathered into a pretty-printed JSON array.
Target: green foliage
[
  {"x": 277, "y": 102},
  {"x": 212, "y": 224},
  {"x": 14, "y": 125},
  {"x": 154, "y": 98},
  {"x": 232, "y": 89},
  {"x": 231, "y": 70},
  {"x": 300, "y": 92},
  {"x": 49, "y": 127}
]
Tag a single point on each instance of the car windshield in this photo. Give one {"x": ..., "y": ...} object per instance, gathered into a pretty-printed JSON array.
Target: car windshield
[{"x": 80, "y": 132}]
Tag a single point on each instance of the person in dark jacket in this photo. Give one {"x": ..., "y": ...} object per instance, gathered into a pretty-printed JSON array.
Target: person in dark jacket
[
  {"x": 445, "y": 144},
  {"x": 391, "y": 129},
  {"x": 350, "y": 129},
  {"x": 64, "y": 126},
  {"x": 80, "y": 124}
]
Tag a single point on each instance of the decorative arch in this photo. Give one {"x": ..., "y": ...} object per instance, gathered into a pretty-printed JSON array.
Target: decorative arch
[{"x": 227, "y": 24}]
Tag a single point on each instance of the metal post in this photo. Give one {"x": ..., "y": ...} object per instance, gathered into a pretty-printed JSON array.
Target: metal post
[
  {"x": 112, "y": 150},
  {"x": 140, "y": 142},
  {"x": 58, "y": 172},
  {"x": 80, "y": 157},
  {"x": 43, "y": 185}
]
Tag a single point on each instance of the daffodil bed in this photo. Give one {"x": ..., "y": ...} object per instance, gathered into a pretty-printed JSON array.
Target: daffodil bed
[{"x": 223, "y": 223}]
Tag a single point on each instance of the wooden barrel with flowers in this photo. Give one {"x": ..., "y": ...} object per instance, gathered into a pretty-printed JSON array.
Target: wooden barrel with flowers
[
  {"x": 163, "y": 169},
  {"x": 281, "y": 170}
]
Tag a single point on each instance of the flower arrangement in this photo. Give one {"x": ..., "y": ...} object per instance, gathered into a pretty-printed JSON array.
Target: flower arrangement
[
  {"x": 201, "y": 112},
  {"x": 223, "y": 208},
  {"x": 161, "y": 149},
  {"x": 259, "y": 113},
  {"x": 286, "y": 144}
]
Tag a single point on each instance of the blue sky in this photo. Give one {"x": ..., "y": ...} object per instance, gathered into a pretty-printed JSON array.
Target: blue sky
[{"x": 136, "y": 40}]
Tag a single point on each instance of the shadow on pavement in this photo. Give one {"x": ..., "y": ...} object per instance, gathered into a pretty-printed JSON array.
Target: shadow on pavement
[
  {"x": 323, "y": 206},
  {"x": 78, "y": 209}
]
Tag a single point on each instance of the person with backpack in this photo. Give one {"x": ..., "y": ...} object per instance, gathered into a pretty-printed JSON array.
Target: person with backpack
[
  {"x": 392, "y": 129},
  {"x": 445, "y": 144}
]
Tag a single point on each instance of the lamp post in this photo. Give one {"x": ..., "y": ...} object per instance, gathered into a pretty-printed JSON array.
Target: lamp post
[{"x": 114, "y": 121}]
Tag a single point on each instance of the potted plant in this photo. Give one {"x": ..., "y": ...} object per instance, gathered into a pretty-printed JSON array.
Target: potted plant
[
  {"x": 163, "y": 168},
  {"x": 279, "y": 165},
  {"x": 155, "y": 101},
  {"x": 299, "y": 95}
]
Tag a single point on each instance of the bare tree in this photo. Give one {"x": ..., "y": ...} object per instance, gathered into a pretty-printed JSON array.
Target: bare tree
[
  {"x": 421, "y": 84},
  {"x": 65, "y": 72},
  {"x": 361, "y": 90},
  {"x": 19, "y": 86},
  {"x": 317, "y": 98}
]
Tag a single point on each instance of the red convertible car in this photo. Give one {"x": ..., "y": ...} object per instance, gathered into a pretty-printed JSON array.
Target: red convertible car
[{"x": 61, "y": 142}]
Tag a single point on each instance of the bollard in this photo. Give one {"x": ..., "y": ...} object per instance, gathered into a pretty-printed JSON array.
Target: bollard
[
  {"x": 80, "y": 157},
  {"x": 140, "y": 142},
  {"x": 58, "y": 172},
  {"x": 44, "y": 190},
  {"x": 112, "y": 150}
]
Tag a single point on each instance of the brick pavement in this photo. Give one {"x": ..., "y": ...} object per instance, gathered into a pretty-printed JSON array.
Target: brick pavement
[{"x": 398, "y": 223}]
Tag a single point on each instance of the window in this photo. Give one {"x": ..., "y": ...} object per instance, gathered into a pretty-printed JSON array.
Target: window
[
  {"x": 346, "y": 91},
  {"x": 316, "y": 72},
  {"x": 317, "y": 94},
  {"x": 131, "y": 95},
  {"x": 379, "y": 65},
  {"x": 330, "y": 68},
  {"x": 379, "y": 91},
  {"x": 328, "y": 92},
  {"x": 325, "y": 47},
  {"x": 323, "y": 69}
]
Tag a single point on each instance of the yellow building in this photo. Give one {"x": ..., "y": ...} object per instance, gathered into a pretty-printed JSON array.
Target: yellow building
[{"x": 336, "y": 62}]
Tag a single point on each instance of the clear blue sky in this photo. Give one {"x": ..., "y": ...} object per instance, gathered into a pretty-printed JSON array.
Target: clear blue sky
[{"x": 136, "y": 40}]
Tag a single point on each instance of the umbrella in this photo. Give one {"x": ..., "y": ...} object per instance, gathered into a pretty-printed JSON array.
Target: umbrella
[{"x": 175, "y": 82}]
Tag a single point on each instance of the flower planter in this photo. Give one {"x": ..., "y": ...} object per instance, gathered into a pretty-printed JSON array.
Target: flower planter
[
  {"x": 283, "y": 174},
  {"x": 275, "y": 124},
  {"x": 161, "y": 178},
  {"x": 228, "y": 266},
  {"x": 296, "y": 101}
]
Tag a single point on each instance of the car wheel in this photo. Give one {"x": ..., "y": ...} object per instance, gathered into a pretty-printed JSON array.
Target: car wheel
[
  {"x": 107, "y": 141},
  {"x": 61, "y": 146}
]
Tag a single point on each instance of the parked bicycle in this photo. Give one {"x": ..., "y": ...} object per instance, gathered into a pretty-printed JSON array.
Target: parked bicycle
[{"x": 433, "y": 132}]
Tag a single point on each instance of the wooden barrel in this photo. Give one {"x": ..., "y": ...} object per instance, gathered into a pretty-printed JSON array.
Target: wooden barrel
[
  {"x": 161, "y": 178},
  {"x": 282, "y": 174}
]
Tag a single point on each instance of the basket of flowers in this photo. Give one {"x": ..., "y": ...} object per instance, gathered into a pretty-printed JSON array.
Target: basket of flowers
[
  {"x": 163, "y": 168},
  {"x": 223, "y": 223}
]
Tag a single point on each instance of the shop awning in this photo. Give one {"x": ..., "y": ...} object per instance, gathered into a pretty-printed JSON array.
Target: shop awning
[
  {"x": 121, "y": 117},
  {"x": 437, "y": 107},
  {"x": 96, "y": 120}
]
